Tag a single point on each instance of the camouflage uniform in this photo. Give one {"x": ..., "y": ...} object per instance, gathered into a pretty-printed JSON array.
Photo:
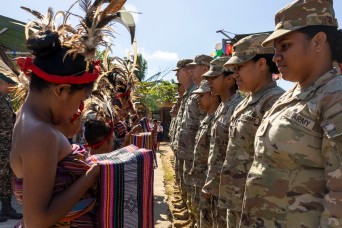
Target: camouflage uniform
[
  {"x": 243, "y": 126},
  {"x": 217, "y": 152},
  {"x": 199, "y": 170},
  {"x": 191, "y": 120},
  {"x": 199, "y": 165},
  {"x": 297, "y": 164},
  {"x": 295, "y": 179},
  {"x": 240, "y": 150},
  {"x": 180, "y": 162},
  {"x": 6, "y": 127}
]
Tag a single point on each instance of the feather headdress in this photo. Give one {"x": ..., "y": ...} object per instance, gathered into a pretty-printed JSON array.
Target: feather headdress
[
  {"x": 20, "y": 90},
  {"x": 92, "y": 30},
  {"x": 99, "y": 107},
  {"x": 94, "y": 27}
]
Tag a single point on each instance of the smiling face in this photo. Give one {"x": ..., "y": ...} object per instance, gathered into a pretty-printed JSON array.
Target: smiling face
[
  {"x": 246, "y": 76},
  {"x": 294, "y": 56}
]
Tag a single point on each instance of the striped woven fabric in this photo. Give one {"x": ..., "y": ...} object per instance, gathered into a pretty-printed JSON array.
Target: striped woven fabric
[
  {"x": 120, "y": 130},
  {"x": 72, "y": 167},
  {"x": 126, "y": 188},
  {"x": 144, "y": 140}
]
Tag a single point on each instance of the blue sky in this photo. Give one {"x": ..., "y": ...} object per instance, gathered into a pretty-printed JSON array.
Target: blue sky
[{"x": 169, "y": 30}]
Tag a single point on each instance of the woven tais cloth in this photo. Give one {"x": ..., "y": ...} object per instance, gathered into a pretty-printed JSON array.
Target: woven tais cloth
[
  {"x": 144, "y": 140},
  {"x": 84, "y": 213},
  {"x": 126, "y": 187}
]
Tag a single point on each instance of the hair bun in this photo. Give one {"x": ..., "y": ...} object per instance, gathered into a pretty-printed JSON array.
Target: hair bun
[{"x": 43, "y": 43}]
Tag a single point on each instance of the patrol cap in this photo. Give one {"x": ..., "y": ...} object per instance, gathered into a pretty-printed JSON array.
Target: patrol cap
[
  {"x": 247, "y": 48},
  {"x": 201, "y": 60},
  {"x": 182, "y": 63},
  {"x": 203, "y": 88},
  {"x": 7, "y": 79},
  {"x": 300, "y": 14},
  {"x": 216, "y": 67}
]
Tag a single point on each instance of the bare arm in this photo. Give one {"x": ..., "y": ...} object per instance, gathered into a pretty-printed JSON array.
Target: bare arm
[{"x": 40, "y": 158}]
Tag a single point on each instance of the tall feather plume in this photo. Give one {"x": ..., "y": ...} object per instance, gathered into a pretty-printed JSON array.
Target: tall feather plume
[
  {"x": 94, "y": 27},
  {"x": 125, "y": 73},
  {"x": 44, "y": 22}
]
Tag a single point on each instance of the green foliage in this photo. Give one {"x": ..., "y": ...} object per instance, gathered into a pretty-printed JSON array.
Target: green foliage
[
  {"x": 141, "y": 67},
  {"x": 154, "y": 94}
]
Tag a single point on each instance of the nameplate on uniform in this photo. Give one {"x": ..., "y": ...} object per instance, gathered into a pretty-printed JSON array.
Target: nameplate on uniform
[
  {"x": 251, "y": 119},
  {"x": 301, "y": 120}
]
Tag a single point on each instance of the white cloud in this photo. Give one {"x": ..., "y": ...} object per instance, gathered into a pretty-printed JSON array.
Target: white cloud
[
  {"x": 159, "y": 55},
  {"x": 164, "y": 55}
]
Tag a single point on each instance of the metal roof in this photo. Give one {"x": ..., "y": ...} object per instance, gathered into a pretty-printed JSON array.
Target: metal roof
[{"x": 12, "y": 35}]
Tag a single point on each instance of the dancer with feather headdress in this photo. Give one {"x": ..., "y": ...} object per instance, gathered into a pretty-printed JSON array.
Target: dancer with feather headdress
[{"x": 52, "y": 180}]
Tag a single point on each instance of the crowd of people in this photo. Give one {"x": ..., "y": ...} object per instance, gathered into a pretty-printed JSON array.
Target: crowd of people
[
  {"x": 248, "y": 153},
  {"x": 72, "y": 106}
]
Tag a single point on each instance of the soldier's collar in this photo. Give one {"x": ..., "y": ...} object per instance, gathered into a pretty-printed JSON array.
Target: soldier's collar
[
  {"x": 310, "y": 90},
  {"x": 260, "y": 93}
]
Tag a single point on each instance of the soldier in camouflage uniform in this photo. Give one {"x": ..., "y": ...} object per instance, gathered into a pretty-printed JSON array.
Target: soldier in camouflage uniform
[
  {"x": 7, "y": 119},
  {"x": 223, "y": 84},
  {"x": 208, "y": 103},
  {"x": 180, "y": 91},
  {"x": 191, "y": 119},
  {"x": 296, "y": 177},
  {"x": 172, "y": 114},
  {"x": 183, "y": 77},
  {"x": 253, "y": 68}
]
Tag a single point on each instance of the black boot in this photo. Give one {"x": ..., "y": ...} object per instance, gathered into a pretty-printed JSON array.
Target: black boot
[
  {"x": 7, "y": 211},
  {"x": 3, "y": 219}
]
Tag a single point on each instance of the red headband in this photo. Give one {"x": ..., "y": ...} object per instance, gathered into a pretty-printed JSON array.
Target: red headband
[
  {"x": 102, "y": 141},
  {"x": 26, "y": 65}
]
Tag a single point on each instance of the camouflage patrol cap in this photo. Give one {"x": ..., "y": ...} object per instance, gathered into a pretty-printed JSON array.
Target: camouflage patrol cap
[
  {"x": 203, "y": 88},
  {"x": 247, "y": 48},
  {"x": 201, "y": 60},
  {"x": 216, "y": 67},
  {"x": 300, "y": 14},
  {"x": 182, "y": 63}
]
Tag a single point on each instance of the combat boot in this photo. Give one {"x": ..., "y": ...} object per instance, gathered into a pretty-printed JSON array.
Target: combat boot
[
  {"x": 3, "y": 219},
  {"x": 177, "y": 201},
  {"x": 184, "y": 215},
  {"x": 179, "y": 205},
  {"x": 182, "y": 224},
  {"x": 7, "y": 211}
]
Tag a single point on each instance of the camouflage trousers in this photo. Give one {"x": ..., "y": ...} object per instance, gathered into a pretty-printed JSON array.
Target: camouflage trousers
[
  {"x": 179, "y": 164},
  {"x": 206, "y": 215},
  {"x": 5, "y": 177},
  {"x": 195, "y": 203},
  {"x": 219, "y": 214},
  {"x": 233, "y": 218},
  {"x": 177, "y": 172},
  {"x": 188, "y": 185}
]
